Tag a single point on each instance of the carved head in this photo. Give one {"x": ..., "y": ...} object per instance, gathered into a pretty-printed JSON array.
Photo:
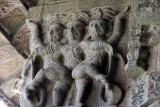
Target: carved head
[
  {"x": 75, "y": 30},
  {"x": 55, "y": 32},
  {"x": 98, "y": 28}
]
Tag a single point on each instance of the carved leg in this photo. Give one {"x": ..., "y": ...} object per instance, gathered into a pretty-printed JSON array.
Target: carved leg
[
  {"x": 81, "y": 86},
  {"x": 112, "y": 95},
  {"x": 36, "y": 98},
  {"x": 39, "y": 78},
  {"x": 60, "y": 92},
  {"x": 92, "y": 71},
  {"x": 31, "y": 89}
]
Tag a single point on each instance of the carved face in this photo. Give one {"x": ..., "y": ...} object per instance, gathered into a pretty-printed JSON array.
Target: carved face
[
  {"x": 98, "y": 28},
  {"x": 75, "y": 31},
  {"x": 55, "y": 33}
]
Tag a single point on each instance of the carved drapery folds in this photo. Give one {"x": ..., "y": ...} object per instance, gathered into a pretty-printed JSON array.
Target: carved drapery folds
[{"x": 75, "y": 59}]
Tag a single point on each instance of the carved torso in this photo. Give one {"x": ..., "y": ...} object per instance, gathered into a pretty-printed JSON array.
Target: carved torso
[
  {"x": 96, "y": 48},
  {"x": 73, "y": 55}
]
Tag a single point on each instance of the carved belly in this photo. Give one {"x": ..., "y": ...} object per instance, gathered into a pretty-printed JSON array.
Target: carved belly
[
  {"x": 55, "y": 70},
  {"x": 57, "y": 74}
]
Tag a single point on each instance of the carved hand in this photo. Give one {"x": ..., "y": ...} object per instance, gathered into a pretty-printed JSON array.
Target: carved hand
[
  {"x": 125, "y": 12},
  {"x": 102, "y": 78},
  {"x": 108, "y": 49}
]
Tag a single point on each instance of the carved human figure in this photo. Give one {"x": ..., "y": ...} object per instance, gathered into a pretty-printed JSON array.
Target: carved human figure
[
  {"x": 97, "y": 51},
  {"x": 72, "y": 52},
  {"x": 28, "y": 71},
  {"x": 53, "y": 69}
]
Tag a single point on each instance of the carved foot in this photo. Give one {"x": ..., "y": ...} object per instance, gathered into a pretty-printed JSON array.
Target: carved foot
[
  {"x": 112, "y": 95},
  {"x": 30, "y": 92},
  {"x": 36, "y": 97}
]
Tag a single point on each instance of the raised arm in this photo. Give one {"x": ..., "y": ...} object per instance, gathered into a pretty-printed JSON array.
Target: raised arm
[
  {"x": 35, "y": 40},
  {"x": 120, "y": 26}
]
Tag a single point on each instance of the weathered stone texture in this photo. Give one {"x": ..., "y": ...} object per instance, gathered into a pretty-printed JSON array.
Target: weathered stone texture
[
  {"x": 21, "y": 41},
  {"x": 136, "y": 65},
  {"x": 12, "y": 15}
]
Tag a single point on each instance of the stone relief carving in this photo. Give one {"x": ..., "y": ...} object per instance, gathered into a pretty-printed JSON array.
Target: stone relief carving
[
  {"x": 85, "y": 57},
  {"x": 138, "y": 92},
  {"x": 149, "y": 5},
  {"x": 5, "y": 8},
  {"x": 154, "y": 86},
  {"x": 145, "y": 40},
  {"x": 133, "y": 53},
  {"x": 140, "y": 49},
  {"x": 21, "y": 41},
  {"x": 146, "y": 91},
  {"x": 134, "y": 46}
]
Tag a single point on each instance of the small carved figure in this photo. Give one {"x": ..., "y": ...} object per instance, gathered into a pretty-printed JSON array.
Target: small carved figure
[{"x": 97, "y": 50}]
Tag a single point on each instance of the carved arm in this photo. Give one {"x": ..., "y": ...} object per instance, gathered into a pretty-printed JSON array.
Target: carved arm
[
  {"x": 97, "y": 45},
  {"x": 119, "y": 27},
  {"x": 35, "y": 41}
]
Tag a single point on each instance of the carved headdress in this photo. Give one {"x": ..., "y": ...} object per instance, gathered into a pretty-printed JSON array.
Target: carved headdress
[
  {"x": 106, "y": 13},
  {"x": 79, "y": 16},
  {"x": 54, "y": 19}
]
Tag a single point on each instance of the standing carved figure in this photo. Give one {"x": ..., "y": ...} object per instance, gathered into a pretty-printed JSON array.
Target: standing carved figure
[{"x": 97, "y": 51}]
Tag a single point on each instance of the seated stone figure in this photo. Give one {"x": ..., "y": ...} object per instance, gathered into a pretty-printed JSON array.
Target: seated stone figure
[{"x": 97, "y": 51}]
